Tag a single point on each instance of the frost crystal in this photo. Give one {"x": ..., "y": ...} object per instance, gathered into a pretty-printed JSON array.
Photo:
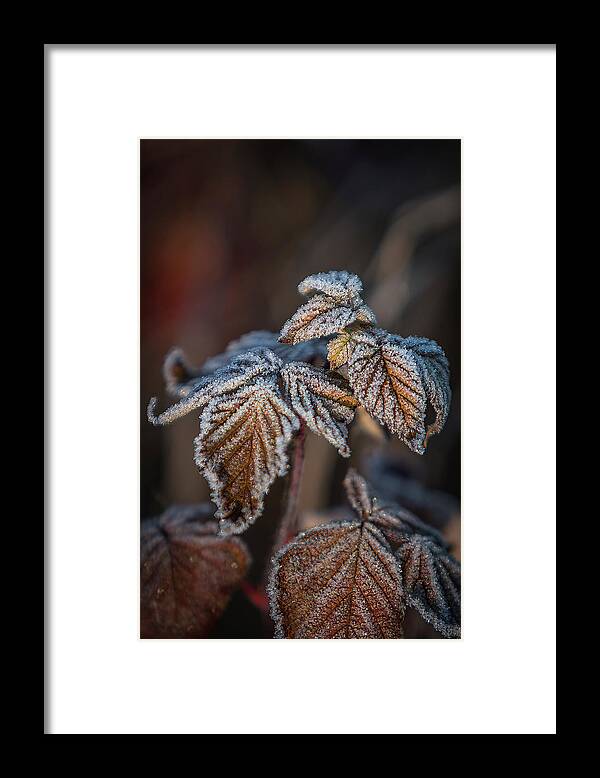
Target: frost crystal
[
  {"x": 325, "y": 402},
  {"x": 336, "y": 304}
]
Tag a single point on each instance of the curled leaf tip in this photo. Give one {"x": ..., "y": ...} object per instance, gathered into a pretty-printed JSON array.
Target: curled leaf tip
[{"x": 151, "y": 410}]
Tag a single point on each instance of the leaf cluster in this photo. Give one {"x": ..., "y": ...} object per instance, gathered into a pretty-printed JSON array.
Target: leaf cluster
[{"x": 349, "y": 578}]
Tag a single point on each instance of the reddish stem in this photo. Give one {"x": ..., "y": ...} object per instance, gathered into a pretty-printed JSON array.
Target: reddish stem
[{"x": 287, "y": 525}]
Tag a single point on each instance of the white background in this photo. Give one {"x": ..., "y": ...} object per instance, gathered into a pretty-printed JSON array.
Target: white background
[{"x": 500, "y": 677}]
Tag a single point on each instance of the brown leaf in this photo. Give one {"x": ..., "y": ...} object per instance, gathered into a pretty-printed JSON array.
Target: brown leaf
[
  {"x": 435, "y": 374},
  {"x": 240, "y": 371},
  {"x": 394, "y": 377},
  {"x": 432, "y": 583},
  {"x": 249, "y": 410},
  {"x": 338, "y": 580},
  {"x": 339, "y": 349},
  {"x": 324, "y": 401},
  {"x": 242, "y": 448},
  {"x": 187, "y": 573},
  {"x": 430, "y": 575},
  {"x": 320, "y": 316},
  {"x": 245, "y": 428},
  {"x": 385, "y": 378}
]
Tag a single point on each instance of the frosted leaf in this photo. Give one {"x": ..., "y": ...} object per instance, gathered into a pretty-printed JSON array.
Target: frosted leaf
[
  {"x": 240, "y": 371},
  {"x": 386, "y": 379},
  {"x": 338, "y": 580},
  {"x": 245, "y": 429},
  {"x": 435, "y": 372},
  {"x": 320, "y": 316},
  {"x": 323, "y": 400},
  {"x": 339, "y": 350},
  {"x": 317, "y": 584},
  {"x": 394, "y": 378},
  {"x": 306, "y": 351},
  {"x": 242, "y": 448},
  {"x": 186, "y": 405},
  {"x": 396, "y": 523},
  {"x": 187, "y": 573},
  {"x": 359, "y": 494},
  {"x": 336, "y": 304},
  {"x": 431, "y": 576},
  {"x": 432, "y": 583},
  {"x": 181, "y": 379},
  {"x": 339, "y": 284},
  {"x": 301, "y": 352},
  {"x": 364, "y": 315}
]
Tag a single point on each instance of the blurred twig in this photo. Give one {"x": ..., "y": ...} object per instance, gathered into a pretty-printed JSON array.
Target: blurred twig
[{"x": 388, "y": 271}]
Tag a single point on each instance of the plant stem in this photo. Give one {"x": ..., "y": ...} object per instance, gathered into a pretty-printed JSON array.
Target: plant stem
[
  {"x": 287, "y": 525},
  {"x": 289, "y": 505}
]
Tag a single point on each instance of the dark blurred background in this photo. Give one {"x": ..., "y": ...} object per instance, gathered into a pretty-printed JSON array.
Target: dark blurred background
[{"x": 228, "y": 230}]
